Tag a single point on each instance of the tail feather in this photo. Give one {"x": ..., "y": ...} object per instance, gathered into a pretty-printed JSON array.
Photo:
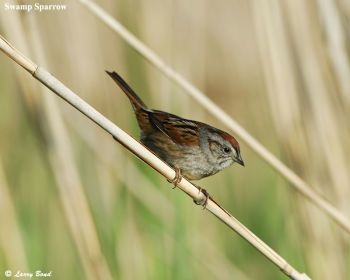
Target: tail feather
[{"x": 136, "y": 102}]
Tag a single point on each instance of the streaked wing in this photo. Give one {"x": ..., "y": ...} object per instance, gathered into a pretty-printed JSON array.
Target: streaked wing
[{"x": 179, "y": 130}]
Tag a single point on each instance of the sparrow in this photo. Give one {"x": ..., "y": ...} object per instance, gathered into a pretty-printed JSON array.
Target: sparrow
[{"x": 194, "y": 149}]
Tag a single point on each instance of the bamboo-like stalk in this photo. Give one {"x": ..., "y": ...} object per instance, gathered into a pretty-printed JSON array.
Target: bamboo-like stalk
[
  {"x": 147, "y": 156},
  {"x": 298, "y": 183}
]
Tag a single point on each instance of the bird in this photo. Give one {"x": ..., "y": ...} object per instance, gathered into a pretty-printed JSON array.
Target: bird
[{"x": 194, "y": 149}]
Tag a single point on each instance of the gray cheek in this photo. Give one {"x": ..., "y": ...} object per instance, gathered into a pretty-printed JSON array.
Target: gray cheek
[
  {"x": 214, "y": 156},
  {"x": 226, "y": 163},
  {"x": 204, "y": 145}
]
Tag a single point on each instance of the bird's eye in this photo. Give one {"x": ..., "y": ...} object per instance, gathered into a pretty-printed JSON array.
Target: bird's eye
[{"x": 227, "y": 150}]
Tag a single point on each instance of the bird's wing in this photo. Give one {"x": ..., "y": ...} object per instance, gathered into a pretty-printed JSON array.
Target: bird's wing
[{"x": 179, "y": 130}]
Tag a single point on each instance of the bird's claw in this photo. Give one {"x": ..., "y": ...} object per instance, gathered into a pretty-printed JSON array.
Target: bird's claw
[
  {"x": 177, "y": 179},
  {"x": 207, "y": 196}
]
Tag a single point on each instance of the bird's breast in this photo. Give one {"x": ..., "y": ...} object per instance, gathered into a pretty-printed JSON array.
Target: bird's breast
[{"x": 191, "y": 160}]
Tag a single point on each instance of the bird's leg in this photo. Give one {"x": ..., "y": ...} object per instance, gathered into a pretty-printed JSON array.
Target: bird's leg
[
  {"x": 207, "y": 196},
  {"x": 177, "y": 179}
]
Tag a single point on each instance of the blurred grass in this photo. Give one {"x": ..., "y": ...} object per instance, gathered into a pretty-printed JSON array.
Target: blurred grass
[{"x": 220, "y": 49}]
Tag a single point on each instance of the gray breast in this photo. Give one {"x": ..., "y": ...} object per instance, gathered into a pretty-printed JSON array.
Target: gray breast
[{"x": 191, "y": 161}]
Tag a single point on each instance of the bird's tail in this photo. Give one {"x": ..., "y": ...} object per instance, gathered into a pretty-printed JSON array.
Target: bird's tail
[{"x": 136, "y": 101}]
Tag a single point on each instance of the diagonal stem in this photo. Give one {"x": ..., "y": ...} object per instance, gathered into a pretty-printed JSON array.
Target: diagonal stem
[{"x": 147, "y": 156}]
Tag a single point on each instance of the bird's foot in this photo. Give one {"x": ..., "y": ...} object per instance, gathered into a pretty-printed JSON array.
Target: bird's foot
[
  {"x": 207, "y": 196},
  {"x": 177, "y": 179}
]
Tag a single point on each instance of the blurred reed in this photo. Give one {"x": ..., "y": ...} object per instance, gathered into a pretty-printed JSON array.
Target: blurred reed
[
  {"x": 217, "y": 48},
  {"x": 142, "y": 153},
  {"x": 62, "y": 163},
  {"x": 309, "y": 101},
  {"x": 297, "y": 182},
  {"x": 11, "y": 239}
]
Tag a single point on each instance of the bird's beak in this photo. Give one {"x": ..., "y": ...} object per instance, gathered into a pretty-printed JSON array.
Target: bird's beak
[{"x": 239, "y": 160}]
